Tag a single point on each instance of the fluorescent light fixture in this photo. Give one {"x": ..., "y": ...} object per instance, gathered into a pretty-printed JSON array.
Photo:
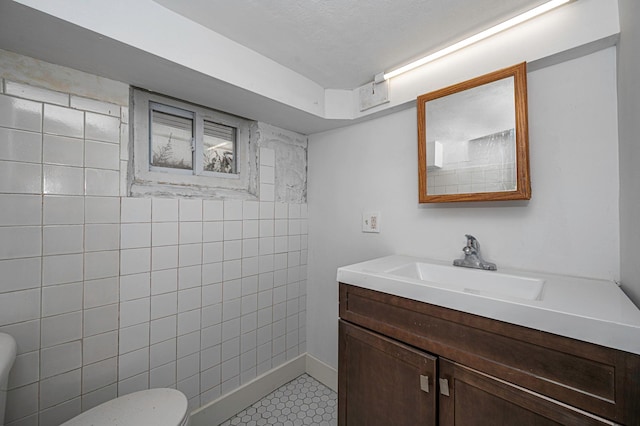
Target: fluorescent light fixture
[{"x": 478, "y": 37}]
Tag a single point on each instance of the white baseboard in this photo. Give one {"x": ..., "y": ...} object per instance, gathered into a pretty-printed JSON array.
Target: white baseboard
[
  {"x": 232, "y": 403},
  {"x": 322, "y": 372}
]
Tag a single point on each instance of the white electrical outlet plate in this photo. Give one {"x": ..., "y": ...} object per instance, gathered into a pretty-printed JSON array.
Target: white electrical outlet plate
[{"x": 371, "y": 221}]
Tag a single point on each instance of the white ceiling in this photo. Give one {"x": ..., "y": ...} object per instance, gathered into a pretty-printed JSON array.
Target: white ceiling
[
  {"x": 342, "y": 44},
  {"x": 336, "y": 44}
]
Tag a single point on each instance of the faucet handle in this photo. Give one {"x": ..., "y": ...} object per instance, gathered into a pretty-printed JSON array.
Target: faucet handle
[{"x": 472, "y": 242}]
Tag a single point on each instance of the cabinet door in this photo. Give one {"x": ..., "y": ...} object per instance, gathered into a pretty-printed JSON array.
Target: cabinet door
[
  {"x": 475, "y": 398},
  {"x": 382, "y": 381}
]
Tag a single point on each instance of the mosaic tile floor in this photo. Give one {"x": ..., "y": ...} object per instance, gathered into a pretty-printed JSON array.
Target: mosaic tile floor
[{"x": 303, "y": 401}]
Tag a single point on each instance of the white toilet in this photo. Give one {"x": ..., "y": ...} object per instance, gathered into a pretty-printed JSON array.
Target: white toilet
[
  {"x": 7, "y": 357},
  {"x": 153, "y": 407}
]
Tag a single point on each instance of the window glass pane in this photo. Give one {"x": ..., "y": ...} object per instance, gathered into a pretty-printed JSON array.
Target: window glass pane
[
  {"x": 171, "y": 141},
  {"x": 219, "y": 144}
]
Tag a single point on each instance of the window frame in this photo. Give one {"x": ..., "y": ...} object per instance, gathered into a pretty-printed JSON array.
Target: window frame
[{"x": 145, "y": 179}]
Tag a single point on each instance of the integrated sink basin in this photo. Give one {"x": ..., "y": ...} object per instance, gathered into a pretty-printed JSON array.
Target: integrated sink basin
[
  {"x": 474, "y": 281},
  {"x": 588, "y": 309}
]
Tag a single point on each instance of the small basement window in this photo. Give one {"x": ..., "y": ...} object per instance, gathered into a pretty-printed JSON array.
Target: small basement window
[{"x": 185, "y": 149}]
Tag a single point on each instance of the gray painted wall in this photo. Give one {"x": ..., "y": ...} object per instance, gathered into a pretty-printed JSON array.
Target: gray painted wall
[{"x": 629, "y": 133}]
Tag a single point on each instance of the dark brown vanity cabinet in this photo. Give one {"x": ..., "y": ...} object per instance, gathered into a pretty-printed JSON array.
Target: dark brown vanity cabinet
[{"x": 403, "y": 362}]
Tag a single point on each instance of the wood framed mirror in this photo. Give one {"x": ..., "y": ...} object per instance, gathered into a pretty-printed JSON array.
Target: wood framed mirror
[{"x": 473, "y": 142}]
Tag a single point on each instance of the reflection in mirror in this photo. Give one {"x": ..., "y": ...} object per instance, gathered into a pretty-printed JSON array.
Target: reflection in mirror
[{"x": 473, "y": 136}]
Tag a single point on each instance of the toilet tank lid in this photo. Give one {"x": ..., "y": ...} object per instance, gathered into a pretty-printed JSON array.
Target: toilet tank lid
[
  {"x": 8, "y": 350},
  {"x": 153, "y": 407}
]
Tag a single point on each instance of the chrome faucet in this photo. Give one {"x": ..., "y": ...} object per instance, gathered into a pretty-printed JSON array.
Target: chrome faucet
[{"x": 472, "y": 257}]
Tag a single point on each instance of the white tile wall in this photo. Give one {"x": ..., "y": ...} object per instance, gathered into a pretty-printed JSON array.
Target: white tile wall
[{"x": 108, "y": 294}]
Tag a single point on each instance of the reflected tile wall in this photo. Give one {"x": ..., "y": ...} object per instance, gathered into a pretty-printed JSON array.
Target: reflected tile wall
[{"x": 107, "y": 295}]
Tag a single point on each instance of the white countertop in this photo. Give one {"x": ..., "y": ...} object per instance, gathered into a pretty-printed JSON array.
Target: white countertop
[{"x": 591, "y": 310}]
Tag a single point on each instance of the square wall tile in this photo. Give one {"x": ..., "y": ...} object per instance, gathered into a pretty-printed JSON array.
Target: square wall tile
[
  {"x": 99, "y": 375},
  {"x": 163, "y": 329},
  {"x": 213, "y": 210},
  {"x": 163, "y": 305},
  {"x": 20, "y": 114},
  {"x": 19, "y": 306},
  {"x": 164, "y": 210},
  {"x": 101, "y": 237},
  {"x": 267, "y": 210},
  {"x": 101, "y": 264},
  {"x": 250, "y": 229},
  {"x": 190, "y": 232},
  {"x": 188, "y": 344},
  {"x": 20, "y": 146},
  {"x": 189, "y": 276},
  {"x": 136, "y": 210},
  {"x": 58, "y": 389},
  {"x": 62, "y": 150},
  {"x": 102, "y": 182},
  {"x": 100, "y": 292},
  {"x": 250, "y": 210},
  {"x": 61, "y": 269},
  {"x": 188, "y": 322},
  {"x": 101, "y": 155},
  {"x": 162, "y": 353},
  {"x": 100, "y": 320},
  {"x": 190, "y": 255},
  {"x": 134, "y": 312},
  {"x": 20, "y": 178},
  {"x": 165, "y": 233},
  {"x": 164, "y": 257},
  {"x": 232, "y": 210},
  {"x": 62, "y": 239},
  {"x": 164, "y": 281},
  {"x": 61, "y": 329},
  {"x": 135, "y": 286},
  {"x": 99, "y": 347},
  {"x": 60, "y": 359},
  {"x": 20, "y": 274},
  {"x": 62, "y": 210},
  {"x": 189, "y": 299},
  {"x": 133, "y": 363},
  {"x": 212, "y": 231},
  {"x": 135, "y": 235},
  {"x": 212, "y": 273},
  {"x": 133, "y": 261},
  {"x": 102, "y": 210},
  {"x": 102, "y": 127},
  {"x": 61, "y": 299},
  {"x": 62, "y": 180},
  {"x": 63, "y": 121},
  {"x": 133, "y": 338},
  {"x": 212, "y": 252},
  {"x": 190, "y": 210},
  {"x": 232, "y": 250}
]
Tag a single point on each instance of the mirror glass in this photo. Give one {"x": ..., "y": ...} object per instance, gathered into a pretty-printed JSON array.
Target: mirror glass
[{"x": 472, "y": 139}]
